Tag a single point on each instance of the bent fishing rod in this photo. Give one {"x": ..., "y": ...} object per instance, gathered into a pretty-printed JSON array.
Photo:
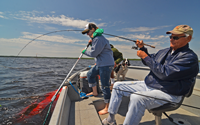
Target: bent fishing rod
[
  {"x": 54, "y": 96},
  {"x": 44, "y": 35},
  {"x": 128, "y": 39},
  {"x": 77, "y": 30}
]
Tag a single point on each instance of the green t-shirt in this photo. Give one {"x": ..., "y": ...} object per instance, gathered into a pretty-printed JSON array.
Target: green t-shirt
[{"x": 118, "y": 57}]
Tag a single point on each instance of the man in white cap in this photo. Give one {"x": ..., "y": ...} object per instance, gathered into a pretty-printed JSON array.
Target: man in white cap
[
  {"x": 103, "y": 55},
  {"x": 172, "y": 72}
]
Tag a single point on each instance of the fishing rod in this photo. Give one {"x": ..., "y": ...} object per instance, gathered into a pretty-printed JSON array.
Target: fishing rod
[
  {"x": 41, "y": 36},
  {"x": 53, "y": 98},
  {"x": 77, "y": 30},
  {"x": 128, "y": 39}
]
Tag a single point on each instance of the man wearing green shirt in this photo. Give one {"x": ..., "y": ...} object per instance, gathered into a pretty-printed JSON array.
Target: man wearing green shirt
[{"x": 118, "y": 57}]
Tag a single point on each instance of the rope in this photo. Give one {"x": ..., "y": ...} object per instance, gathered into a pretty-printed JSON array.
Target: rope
[{"x": 81, "y": 94}]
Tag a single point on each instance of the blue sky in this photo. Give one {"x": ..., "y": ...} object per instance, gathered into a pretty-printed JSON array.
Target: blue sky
[{"x": 147, "y": 20}]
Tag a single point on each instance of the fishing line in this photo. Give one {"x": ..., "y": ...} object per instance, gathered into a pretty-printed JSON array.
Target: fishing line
[
  {"x": 43, "y": 35},
  {"x": 55, "y": 95},
  {"x": 157, "y": 98},
  {"x": 76, "y": 30},
  {"x": 78, "y": 59},
  {"x": 170, "y": 118},
  {"x": 151, "y": 97}
]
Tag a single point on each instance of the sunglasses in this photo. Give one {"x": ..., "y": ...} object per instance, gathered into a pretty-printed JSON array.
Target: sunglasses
[{"x": 176, "y": 37}]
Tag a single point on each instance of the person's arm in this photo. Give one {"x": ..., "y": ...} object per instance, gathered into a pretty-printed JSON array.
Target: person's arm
[
  {"x": 185, "y": 66},
  {"x": 142, "y": 52},
  {"x": 96, "y": 49},
  {"x": 119, "y": 58}
]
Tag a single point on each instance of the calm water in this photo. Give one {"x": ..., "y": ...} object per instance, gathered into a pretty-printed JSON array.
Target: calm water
[{"x": 27, "y": 80}]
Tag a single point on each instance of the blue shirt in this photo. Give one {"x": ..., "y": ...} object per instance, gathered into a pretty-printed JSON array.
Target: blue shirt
[{"x": 172, "y": 73}]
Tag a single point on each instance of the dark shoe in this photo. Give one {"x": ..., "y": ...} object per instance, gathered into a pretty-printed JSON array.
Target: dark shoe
[{"x": 105, "y": 122}]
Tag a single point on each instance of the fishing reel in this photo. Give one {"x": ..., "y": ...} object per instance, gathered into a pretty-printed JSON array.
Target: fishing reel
[{"x": 134, "y": 47}]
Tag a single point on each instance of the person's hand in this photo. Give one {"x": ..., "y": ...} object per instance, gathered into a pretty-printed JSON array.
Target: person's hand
[
  {"x": 83, "y": 51},
  {"x": 141, "y": 54},
  {"x": 90, "y": 41},
  {"x": 115, "y": 65},
  {"x": 139, "y": 44}
]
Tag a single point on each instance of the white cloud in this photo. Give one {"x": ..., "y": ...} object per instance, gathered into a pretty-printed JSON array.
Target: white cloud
[
  {"x": 42, "y": 46},
  {"x": 51, "y": 19},
  {"x": 54, "y": 38},
  {"x": 128, "y": 52},
  {"x": 99, "y": 19},
  {"x": 49, "y": 28},
  {"x": 14, "y": 40},
  {"x": 116, "y": 39},
  {"x": 101, "y": 25},
  {"x": 35, "y": 17},
  {"x": 137, "y": 36},
  {"x": 2, "y": 15},
  {"x": 145, "y": 37},
  {"x": 27, "y": 37},
  {"x": 39, "y": 47},
  {"x": 142, "y": 29}
]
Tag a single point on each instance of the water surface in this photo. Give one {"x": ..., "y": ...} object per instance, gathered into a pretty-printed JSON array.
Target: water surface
[{"x": 24, "y": 81}]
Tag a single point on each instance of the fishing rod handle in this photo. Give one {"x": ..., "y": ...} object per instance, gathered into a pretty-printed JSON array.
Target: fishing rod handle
[
  {"x": 146, "y": 44},
  {"x": 53, "y": 98},
  {"x": 149, "y": 45},
  {"x": 89, "y": 43}
]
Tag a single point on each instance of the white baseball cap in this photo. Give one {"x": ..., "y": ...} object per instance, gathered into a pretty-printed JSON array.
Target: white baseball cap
[{"x": 88, "y": 27}]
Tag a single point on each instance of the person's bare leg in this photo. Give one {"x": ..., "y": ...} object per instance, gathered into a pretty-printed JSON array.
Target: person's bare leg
[
  {"x": 111, "y": 86},
  {"x": 112, "y": 74},
  {"x": 94, "y": 91},
  {"x": 105, "y": 110}
]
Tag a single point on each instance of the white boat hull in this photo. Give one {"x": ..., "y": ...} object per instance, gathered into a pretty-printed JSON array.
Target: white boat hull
[{"x": 70, "y": 108}]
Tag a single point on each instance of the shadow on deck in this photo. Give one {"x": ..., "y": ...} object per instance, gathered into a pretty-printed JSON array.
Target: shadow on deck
[{"x": 181, "y": 116}]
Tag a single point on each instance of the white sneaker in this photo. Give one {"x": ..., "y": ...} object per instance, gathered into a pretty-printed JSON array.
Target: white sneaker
[{"x": 105, "y": 122}]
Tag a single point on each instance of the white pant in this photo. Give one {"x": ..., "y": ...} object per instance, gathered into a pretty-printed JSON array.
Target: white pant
[{"x": 138, "y": 103}]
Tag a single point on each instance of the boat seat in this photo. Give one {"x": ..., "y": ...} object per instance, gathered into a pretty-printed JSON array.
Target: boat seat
[{"x": 169, "y": 106}]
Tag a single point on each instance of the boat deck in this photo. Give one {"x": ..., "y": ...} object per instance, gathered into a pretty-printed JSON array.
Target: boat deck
[
  {"x": 180, "y": 115},
  {"x": 148, "y": 119},
  {"x": 72, "y": 110}
]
